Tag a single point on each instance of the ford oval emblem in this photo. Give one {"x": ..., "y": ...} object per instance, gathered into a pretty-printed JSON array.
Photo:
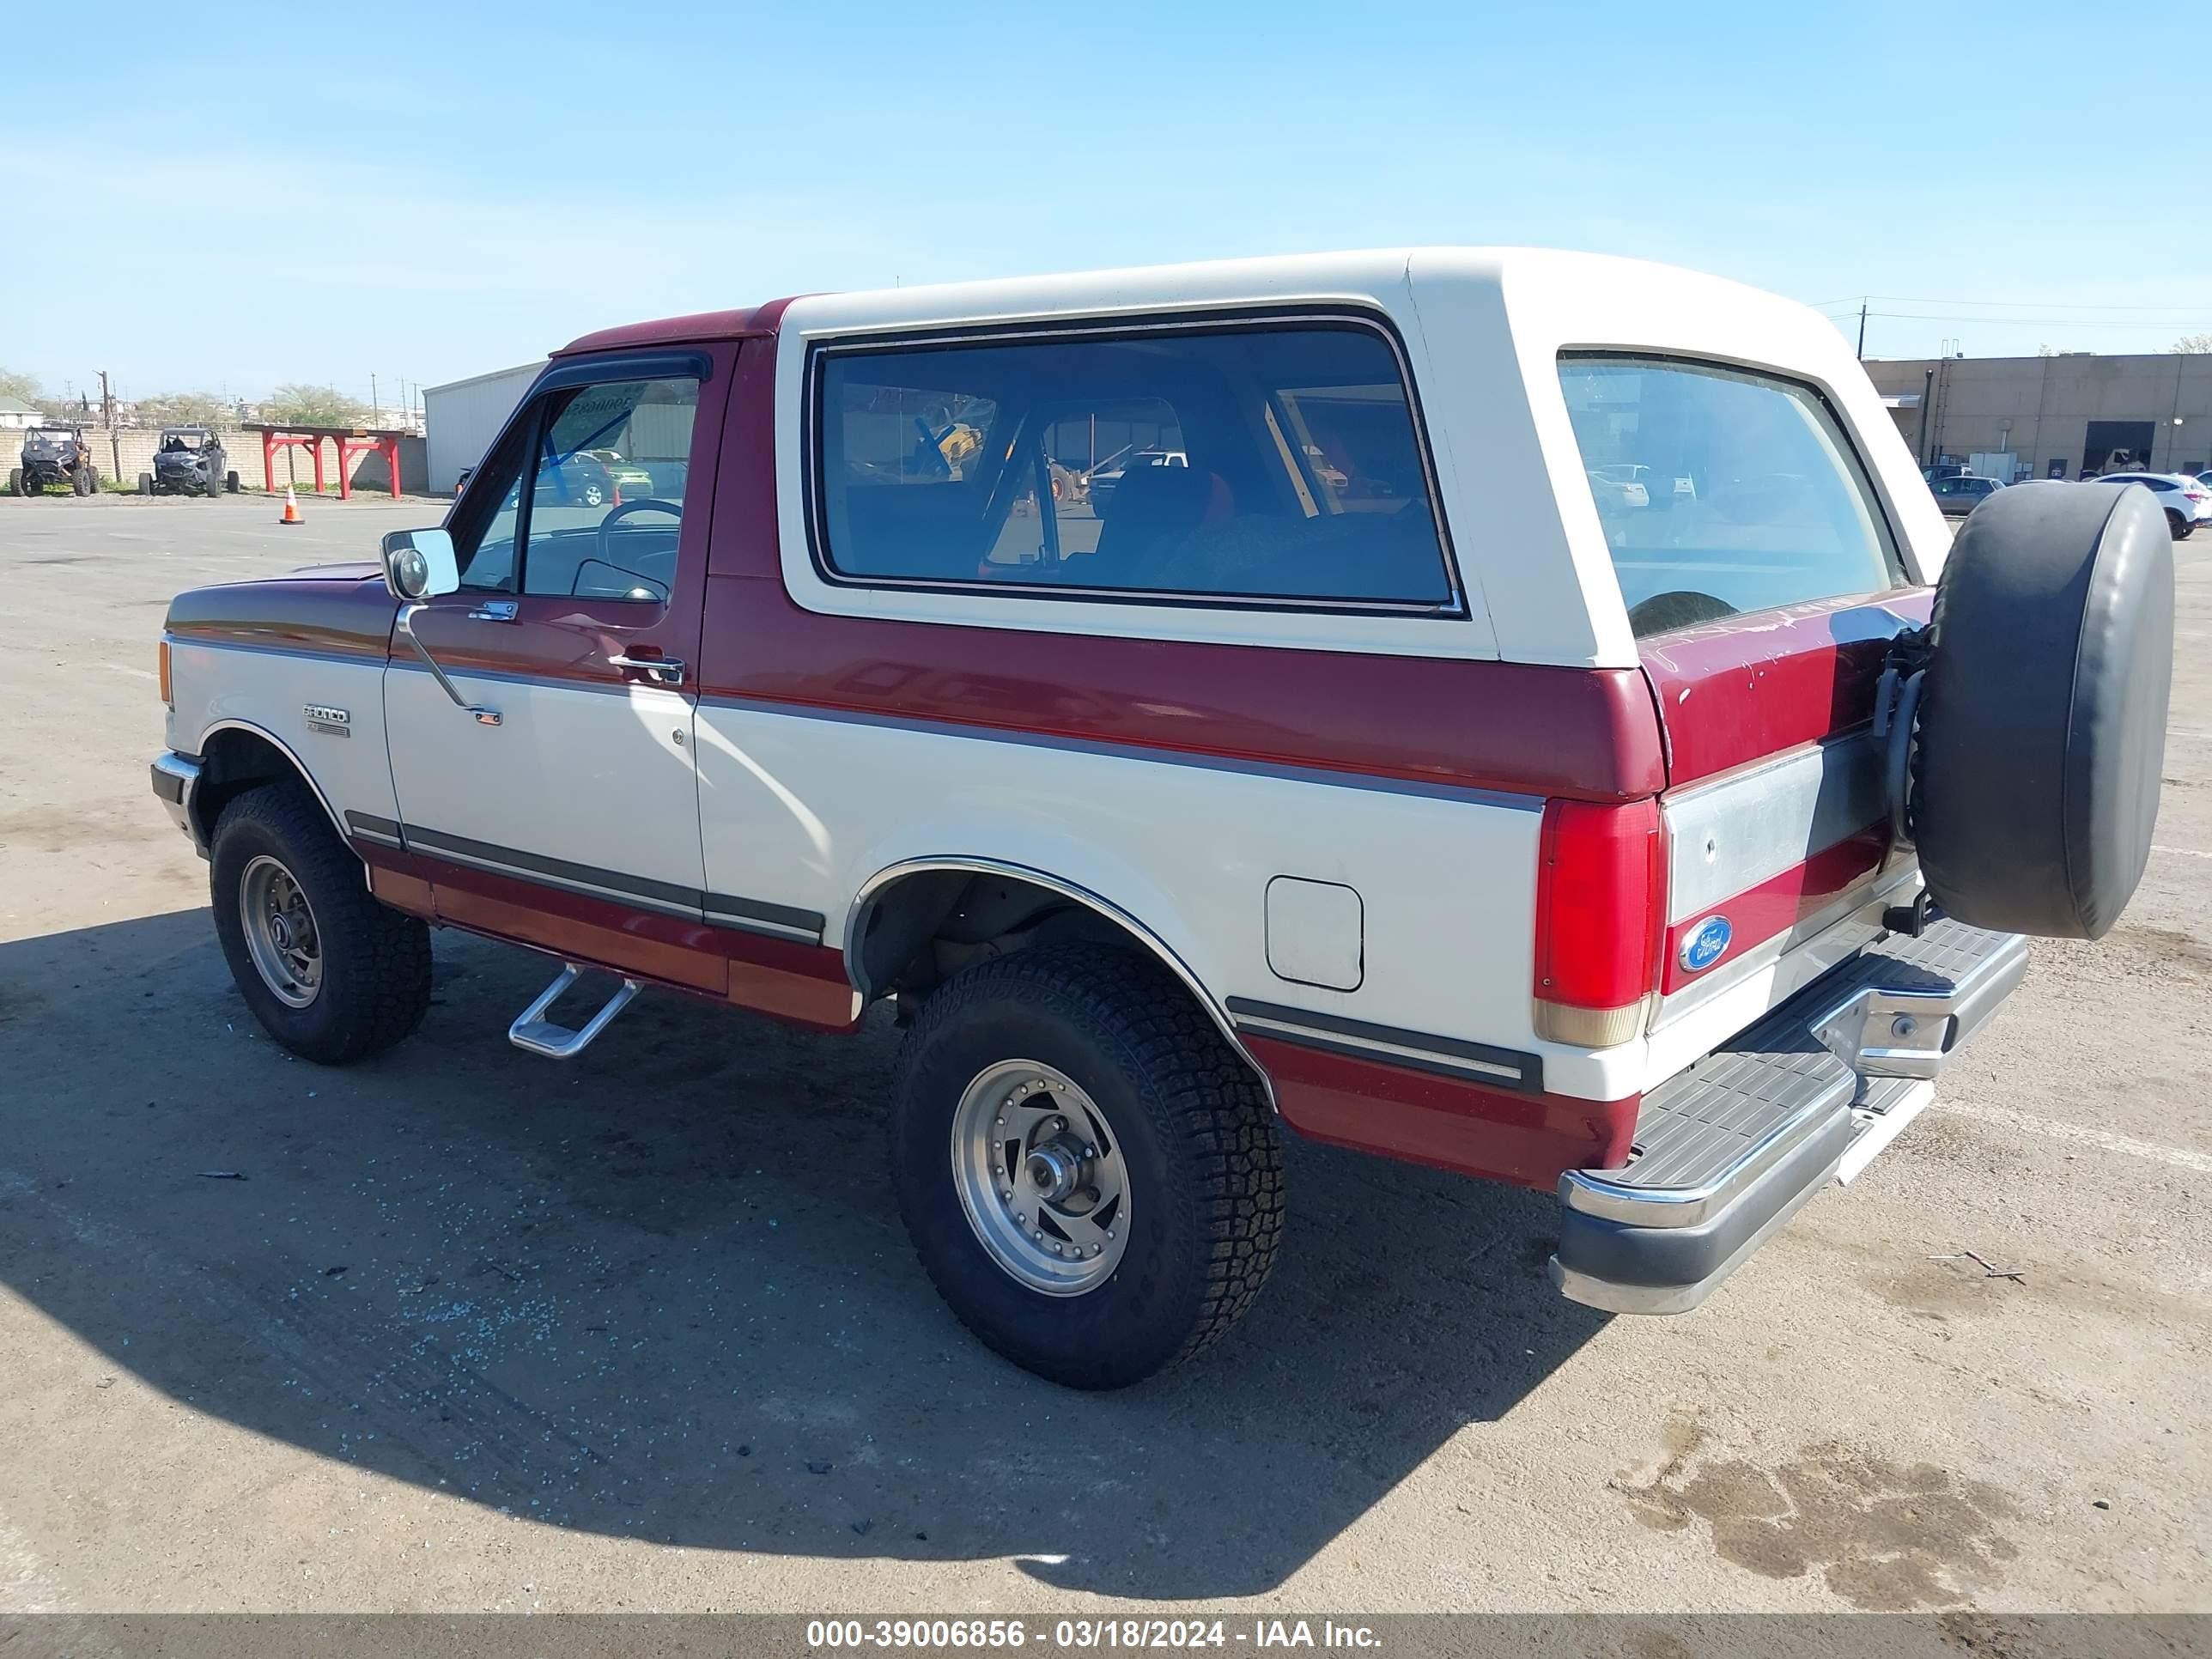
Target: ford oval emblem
[{"x": 1707, "y": 944}]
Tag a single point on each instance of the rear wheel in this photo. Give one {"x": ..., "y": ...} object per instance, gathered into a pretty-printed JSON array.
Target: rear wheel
[
  {"x": 230, "y": 482},
  {"x": 1089, "y": 1172},
  {"x": 331, "y": 975},
  {"x": 2177, "y": 525}
]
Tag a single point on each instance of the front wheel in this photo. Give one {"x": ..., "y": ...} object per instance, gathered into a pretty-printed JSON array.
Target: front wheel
[
  {"x": 331, "y": 974},
  {"x": 16, "y": 484},
  {"x": 1088, "y": 1171}
]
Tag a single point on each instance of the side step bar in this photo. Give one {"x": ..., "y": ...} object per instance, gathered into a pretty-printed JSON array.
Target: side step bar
[
  {"x": 1727, "y": 1150},
  {"x": 533, "y": 1032}
]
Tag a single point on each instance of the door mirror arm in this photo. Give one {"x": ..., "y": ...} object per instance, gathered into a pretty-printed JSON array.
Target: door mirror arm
[{"x": 404, "y": 625}]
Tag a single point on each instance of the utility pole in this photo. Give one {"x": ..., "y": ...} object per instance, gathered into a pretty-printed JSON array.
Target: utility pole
[
  {"x": 376, "y": 409},
  {"x": 107, "y": 419},
  {"x": 1863, "y": 331}
]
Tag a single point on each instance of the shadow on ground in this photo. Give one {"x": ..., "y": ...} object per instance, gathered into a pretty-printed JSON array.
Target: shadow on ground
[{"x": 663, "y": 1293}]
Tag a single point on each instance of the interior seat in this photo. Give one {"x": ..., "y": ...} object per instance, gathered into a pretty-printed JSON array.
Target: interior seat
[{"x": 1150, "y": 509}]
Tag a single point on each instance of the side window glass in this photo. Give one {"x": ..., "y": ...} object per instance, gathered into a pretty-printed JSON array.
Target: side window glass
[
  {"x": 1254, "y": 464},
  {"x": 607, "y": 483}
]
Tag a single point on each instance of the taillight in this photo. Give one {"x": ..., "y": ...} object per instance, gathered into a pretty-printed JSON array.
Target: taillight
[
  {"x": 162, "y": 673},
  {"x": 1601, "y": 918}
]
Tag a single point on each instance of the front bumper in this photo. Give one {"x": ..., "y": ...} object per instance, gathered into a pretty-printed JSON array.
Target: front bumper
[
  {"x": 175, "y": 779},
  {"x": 1729, "y": 1149}
]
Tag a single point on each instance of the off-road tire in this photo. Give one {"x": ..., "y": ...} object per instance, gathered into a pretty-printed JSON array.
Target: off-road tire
[
  {"x": 230, "y": 483},
  {"x": 79, "y": 482},
  {"x": 376, "y": 962},
  {"x": 145, "y": 483},
  {"x": 1204, "y": 1168},
  {"x": 16, "y": 484}
]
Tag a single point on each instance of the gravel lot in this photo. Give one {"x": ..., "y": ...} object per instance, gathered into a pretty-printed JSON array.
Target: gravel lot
[{"x": 476, "y": 1331}]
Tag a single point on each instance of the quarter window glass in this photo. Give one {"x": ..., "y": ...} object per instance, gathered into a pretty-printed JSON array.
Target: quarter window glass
[
  {"x": 1721, "y": 491},
  {"x": 607, "y": 486},
  {"x": 1258, "y": 462},
  {"x": 489, "y": 568}
]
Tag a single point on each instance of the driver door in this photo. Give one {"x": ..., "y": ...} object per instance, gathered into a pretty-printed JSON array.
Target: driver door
[{"x": 556, "y": 801}]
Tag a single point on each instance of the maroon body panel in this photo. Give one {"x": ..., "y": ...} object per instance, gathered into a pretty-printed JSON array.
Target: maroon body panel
[
  {"x": 802, "y": 983},
  {"x": 1748, "y": 688},
  {"x": 1370, "y": 1106},
  {"x": 692, "y": 329},
  {"x": 329, "y": 614},
  {"x": 1508, "y": 726}
]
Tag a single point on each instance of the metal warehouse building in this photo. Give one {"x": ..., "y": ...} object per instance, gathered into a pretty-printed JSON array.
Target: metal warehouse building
[
  {"x": 461, "y": 417},
  {"x": 2057, "y": 416}
]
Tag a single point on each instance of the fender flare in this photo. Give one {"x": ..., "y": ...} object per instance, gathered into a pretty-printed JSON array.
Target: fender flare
[{"x": 856, "y": 917}]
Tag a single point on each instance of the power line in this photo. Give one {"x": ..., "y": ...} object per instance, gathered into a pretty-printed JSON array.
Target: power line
[
  {"x": 1853, "y": 301},
  {"x": 2040, "y": 322}
]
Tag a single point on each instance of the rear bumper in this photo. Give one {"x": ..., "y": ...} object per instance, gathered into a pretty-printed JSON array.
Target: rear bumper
[
  {"x": 1731, "y": 1148},
  {"x": 175, "y": 779}
]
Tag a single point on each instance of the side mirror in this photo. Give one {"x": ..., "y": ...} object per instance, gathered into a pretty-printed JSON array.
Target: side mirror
[{"x": 419, "y": 564}]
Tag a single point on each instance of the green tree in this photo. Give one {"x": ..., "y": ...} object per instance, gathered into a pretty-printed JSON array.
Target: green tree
[
  {"x": 2194, "y": 343},
  {"x": 314, "y": 405},
  {"x": 14, "y": 383},
  {"x": 184, "y": 409}
]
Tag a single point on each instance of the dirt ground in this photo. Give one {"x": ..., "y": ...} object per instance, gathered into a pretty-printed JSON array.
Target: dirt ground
[{"x": 469, "y": 1330}]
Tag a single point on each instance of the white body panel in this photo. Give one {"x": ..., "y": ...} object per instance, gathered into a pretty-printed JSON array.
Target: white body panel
[
  {"x": 804, "y": 811},
  {"x": 269, "y": 692},
  {"x": 597, "y": 778}
]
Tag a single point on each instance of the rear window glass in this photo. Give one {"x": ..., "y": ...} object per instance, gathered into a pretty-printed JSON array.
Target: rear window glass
[
  {"x": 1252, "y": 464},
  {"x": 1721, "y": 491}
]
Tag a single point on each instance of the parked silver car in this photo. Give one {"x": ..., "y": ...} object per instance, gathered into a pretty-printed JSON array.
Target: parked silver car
[{"x": 1962, "y": 492}]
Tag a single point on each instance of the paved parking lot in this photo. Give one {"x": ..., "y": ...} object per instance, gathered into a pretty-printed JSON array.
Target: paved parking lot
[{"x": 472, "y": 1330}]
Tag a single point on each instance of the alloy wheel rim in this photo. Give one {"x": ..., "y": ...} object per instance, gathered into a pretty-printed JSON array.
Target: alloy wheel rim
[
  {"x": 281, "y": 935},
  {"x": 1042, "y": 1177}
]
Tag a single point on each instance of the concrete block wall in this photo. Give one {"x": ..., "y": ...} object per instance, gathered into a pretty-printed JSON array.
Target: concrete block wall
[{"x": 129, "y": 451}]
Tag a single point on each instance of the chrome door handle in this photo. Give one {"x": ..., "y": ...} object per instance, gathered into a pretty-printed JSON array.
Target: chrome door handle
[
  {"x": 496, "y": 611},
  {"x": 661, "y": 671}
]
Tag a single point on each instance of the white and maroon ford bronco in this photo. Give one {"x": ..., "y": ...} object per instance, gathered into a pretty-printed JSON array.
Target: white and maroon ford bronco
[{"x": 1477, "y": 707}]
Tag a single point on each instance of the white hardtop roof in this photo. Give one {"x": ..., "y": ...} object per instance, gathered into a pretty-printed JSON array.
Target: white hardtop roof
[{"x": 1555, "y": 284}]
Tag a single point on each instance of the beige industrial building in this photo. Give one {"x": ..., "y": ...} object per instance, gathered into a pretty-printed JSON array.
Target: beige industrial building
[{"x": 2054, "y": 418}]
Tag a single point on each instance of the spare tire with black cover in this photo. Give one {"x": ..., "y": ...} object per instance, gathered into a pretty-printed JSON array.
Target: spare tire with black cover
[{"x": 2041, "y": 729}]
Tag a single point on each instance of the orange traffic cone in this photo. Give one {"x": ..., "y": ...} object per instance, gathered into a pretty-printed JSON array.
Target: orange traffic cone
[{"x": 291, "y": 508}]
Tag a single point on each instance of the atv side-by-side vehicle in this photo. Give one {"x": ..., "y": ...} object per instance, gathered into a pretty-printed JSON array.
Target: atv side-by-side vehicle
[
  {"x": 54, "y": 455},
  {"x": 191, "y": 461}
]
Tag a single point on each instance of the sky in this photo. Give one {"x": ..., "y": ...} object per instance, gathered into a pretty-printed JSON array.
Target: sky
[{"x": 419, "y": 193}]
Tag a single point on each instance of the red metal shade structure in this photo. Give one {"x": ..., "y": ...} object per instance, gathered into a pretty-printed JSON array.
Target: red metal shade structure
[{"x": 352, "y": 441}]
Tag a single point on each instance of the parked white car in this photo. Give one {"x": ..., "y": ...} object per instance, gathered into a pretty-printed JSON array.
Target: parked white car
[{"x": 2186, "y": 502}]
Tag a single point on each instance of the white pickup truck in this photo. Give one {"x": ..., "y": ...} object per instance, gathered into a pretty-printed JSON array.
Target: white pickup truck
[{"x": 1512, "y": 736}]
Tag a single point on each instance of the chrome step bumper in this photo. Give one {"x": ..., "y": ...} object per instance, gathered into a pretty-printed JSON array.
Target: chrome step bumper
[{"x": 1731, "y": 1147}]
